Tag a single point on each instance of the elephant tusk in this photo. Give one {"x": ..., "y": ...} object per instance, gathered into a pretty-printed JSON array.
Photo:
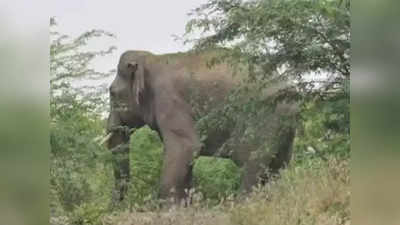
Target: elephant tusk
[{"x": 106, "y": 138}]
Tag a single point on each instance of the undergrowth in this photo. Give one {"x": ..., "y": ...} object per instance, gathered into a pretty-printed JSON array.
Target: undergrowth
[{"x": 317, "y": 193}]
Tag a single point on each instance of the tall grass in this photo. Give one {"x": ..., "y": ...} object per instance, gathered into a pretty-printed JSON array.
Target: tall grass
[{"x": 317, "y": 193}]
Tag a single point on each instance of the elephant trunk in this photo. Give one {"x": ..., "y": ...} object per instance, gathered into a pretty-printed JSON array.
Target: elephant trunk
[{"x": 117, "y": 141}]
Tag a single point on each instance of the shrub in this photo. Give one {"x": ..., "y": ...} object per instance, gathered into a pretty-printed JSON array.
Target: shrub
[
  {"x": 216, "y": 178},
  {"x": 74, "y": 155},
  {"x": 145, "y": 164},
  {"x": 88, "y": 214},
  {"x": 325, "y": 131}
]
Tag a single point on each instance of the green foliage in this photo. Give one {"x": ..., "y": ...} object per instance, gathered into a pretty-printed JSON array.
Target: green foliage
[
  {"x": 87, "y": 214},
  {"x": 70, "y": 61},
  {"x": 79, "y": 170},
  {"x": 325, "y": 131},
  {"x": 145, "y": 163},
  {"x": 300, "y": 48},
  {"x": 216, "y": 178},
  {"x": 303, "y": 43},
  {"x": 305, "y": 36},
  {"x": 273, "y": 40},
  {"x": 74, "y": 154},
  {"x": 68, "y": 57}
]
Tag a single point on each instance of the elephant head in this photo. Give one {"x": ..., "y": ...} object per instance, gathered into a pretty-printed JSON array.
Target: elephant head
[{"x": 127, "y": 93}]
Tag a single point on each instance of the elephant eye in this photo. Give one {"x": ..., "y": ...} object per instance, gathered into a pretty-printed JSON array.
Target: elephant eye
[{"x": 133, "y": 65}]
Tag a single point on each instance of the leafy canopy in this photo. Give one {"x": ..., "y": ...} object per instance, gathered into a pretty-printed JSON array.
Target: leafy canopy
[
  {"x": 302, "y": 43},
  {"x": 294, "y": 38},
  {"x": 70, "y": 62}
]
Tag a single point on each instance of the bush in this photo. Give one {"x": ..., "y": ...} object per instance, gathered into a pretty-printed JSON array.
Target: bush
[
  {"x": 216, "y": 178},
  {"x": 79, "y": 172},
  {"x": 74, "y": 153},
  {"x": 88, "y": 214},
  {"x": 145, "y": 163},
  {"x": 325, "y": 131}
]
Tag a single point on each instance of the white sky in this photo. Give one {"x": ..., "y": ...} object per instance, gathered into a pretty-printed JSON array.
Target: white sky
[{"x": 138, "y": 25}]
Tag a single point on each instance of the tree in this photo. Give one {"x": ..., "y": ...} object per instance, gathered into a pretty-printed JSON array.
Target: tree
[
  {"x": 303, "y": 42},
  {"x": 70, "y": 62},
  {"x": 294, "y": 37},
  {"x": 76, "y": 121}
]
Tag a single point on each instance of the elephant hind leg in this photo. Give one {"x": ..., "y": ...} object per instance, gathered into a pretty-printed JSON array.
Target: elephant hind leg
[
  {"x": 280, "y": 159},
  {"x": 255, "y": 167}
]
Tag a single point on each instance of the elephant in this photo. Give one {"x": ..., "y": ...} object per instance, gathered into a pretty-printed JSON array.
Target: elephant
[{"x": 155, "y": 90}]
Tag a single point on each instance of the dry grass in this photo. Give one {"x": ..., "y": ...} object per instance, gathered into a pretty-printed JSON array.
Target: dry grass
[
  {"x": 303, "y": 196},
  {"x": 180, "y": 216}
]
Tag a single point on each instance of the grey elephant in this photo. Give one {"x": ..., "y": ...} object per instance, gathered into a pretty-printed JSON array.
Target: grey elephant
[{"x": 153, "y": 90}]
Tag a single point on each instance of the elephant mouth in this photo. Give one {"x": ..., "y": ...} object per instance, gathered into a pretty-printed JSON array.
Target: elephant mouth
[{"x": 119, "y": 107}]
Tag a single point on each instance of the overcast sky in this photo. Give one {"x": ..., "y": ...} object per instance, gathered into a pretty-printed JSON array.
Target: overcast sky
[{"x": 138, "y": 25}]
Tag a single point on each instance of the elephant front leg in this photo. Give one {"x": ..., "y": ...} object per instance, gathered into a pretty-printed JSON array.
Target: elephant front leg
[
  {"x": 119, "y": 146},
  {"x": 176, "y": 177}
]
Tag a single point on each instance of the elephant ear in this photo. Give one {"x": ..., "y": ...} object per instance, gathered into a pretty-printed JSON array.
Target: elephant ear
[{"x": 138, "y": 81}]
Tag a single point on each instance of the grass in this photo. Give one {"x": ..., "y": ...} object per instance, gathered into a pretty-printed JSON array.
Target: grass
[
  {"x": 314, "y": 195},
  {"x": 318, "y": 193}
]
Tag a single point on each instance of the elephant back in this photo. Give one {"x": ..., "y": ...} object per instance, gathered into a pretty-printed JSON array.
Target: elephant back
[{"x": 202, "y": 86}]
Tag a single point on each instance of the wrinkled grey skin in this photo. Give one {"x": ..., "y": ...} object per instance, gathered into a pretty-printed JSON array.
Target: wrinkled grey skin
[{"x": 149, "y": 92}]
